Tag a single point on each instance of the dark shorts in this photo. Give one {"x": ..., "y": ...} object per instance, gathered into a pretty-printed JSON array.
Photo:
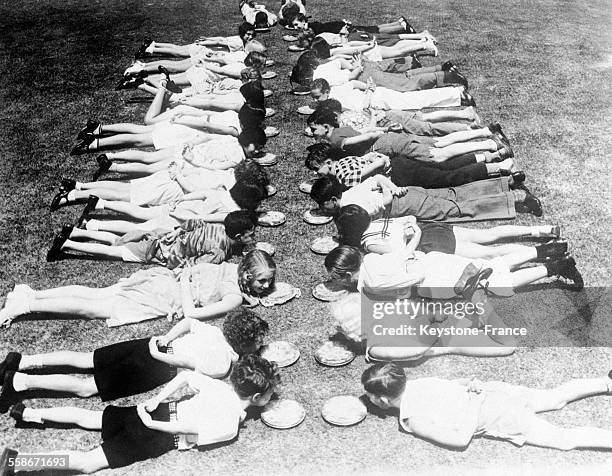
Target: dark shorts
[
  {"x": 437, "y": 237},
  {"x": 126, "y": 440},
  {"x": 127, "y": 368}
]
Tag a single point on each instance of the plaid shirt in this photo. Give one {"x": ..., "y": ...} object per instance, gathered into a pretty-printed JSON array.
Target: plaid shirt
[{"x": 348, "y": 170}]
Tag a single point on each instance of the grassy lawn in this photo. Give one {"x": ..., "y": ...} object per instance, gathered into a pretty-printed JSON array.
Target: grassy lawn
[{"x": 541, "y": 68}]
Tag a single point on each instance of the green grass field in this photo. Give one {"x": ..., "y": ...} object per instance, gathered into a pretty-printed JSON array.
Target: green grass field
[{"x": 541, "y": 68}]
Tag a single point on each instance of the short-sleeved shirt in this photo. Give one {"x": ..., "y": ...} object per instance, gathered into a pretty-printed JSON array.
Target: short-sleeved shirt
[
  {"x": 405, "y": 145},
  {"x": 348, "y": 170},
  {"x": 336, "y": 140},
  {"x": 443, "y": 401},
  {"x": 206, "y": 346},
  {"x": 212, "y": 282},
  {"x": 332, "y": 72},
  {"x": 234, "y": 43},
  {"x": 215, "y": 407},
  {"x": 366, "y": 197},
  {"x": 391, "y": 275},
  {"x": 350, "y": 98},
  {"x": 219, "y": 153},
  {"x": 386, "y": 231}
]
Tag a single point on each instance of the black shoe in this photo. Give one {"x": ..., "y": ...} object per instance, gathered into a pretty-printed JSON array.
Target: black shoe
[
  {"x": 16, "y": 412},
  {"x": 530, "y": 204},
  {"x": 448, "y": 66},
  {"x": 10, "y": 363},
  {"x": 469, "y": 280},
  {"x": 89, "y": 128},
  {"x": 142, "y": 50},
  {"x": 66, "y": 231},
  {"x": 8, "y": 396},
  {"x": 56, "y": 203},
  {"x": 129, "y": 83},
  {"x": 67, "y": 184},
  {"x": 467, "y": 99},
  {"x": 408, "y": 27},
  {"x": 453, "y": 77},
  {"x": 104, "y": 164},
  {"x": 170, "y": 85},
  {"x": 565, "y": 267},
  {"x": 55, "y": 252},
  {"x": 518, "y": 177},
  {"x": 496, "y": 128},
  {"x": 7, "y": 465},
  {"x": 83, "y": 146},
  {"x": 551, "y": 249},
  {"x": 92, "y": 201}
]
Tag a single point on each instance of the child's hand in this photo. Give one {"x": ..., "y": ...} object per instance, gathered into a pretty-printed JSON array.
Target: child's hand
[
  {"x": 144, "y": 414},
  {"x": 400, "y": 191},
  {"x": 154, "y": 345}
]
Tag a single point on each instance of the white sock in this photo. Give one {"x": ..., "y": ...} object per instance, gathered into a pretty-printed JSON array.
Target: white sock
[
  {"x": 480, "y": 157},
  {"x": 100, "y": 204},
  {"x": 32, "y": 415},
  {"x": 539, "y": 230},
  {"x": 149, "y": 48},
  {"x": 78, "y": 186},
  {"x": 20, "y": 382},
  {"x": 30, "y": 362},
  {"x": 92, "y": 225},
  {"x": 71, "y": 197}
]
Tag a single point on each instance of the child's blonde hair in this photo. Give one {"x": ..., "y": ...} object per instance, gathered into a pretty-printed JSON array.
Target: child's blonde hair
[
  {"x": 254, "y": 264},
  {"x": 347, "y": 316}
]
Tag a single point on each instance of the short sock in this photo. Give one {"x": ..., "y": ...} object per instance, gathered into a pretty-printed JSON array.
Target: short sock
[
  {"x": 20, "y": 382},
  {"x": 32, "y": 415},
  {"x": 100, "y": 204},
  {"x": 71, "y": 197},
  {"x": 31, "y": 362},
  {"x": 92, "y": 225},
  {"x": 539, "y": 230},
  {"x": 78, "y": 186}
]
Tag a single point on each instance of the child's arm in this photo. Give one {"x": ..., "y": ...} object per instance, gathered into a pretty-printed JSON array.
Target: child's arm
[
  {"x": 198, "y": 123},
  {"x": 227, "y": 303},
  {"x": 175, "y": 360},
  {"x": 196, "y": 195},
  {"x": 366, "y": 137},
  {"x": 175, "y": 427},
  {"x": 374, "y": 166},
  {"x": 458, "y": 436}
]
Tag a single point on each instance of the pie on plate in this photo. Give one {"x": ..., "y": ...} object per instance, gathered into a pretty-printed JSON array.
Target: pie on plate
[
  {"x": 316, "y": 217},
  {"x": 305, "y": 187},
  {"x": 269, "y": 75},
  {"x": 271, "y": 218},
  {"x": 265, "y": 246},
  {"x": 296, "y": 48},
  {"x": 281, "y": 293},
  {"x": 271, "y": 131},
  {"x": 281, "y": 352},
  {"x": 328, "y": 292},
  {"x": 334, "y": 354},
  {"x": 283, "y": 414},
  {"x": 344, "y": 410},
  {"x": 289, "y": 38},
  {"x": 324, "y": 245},
  {"x": 305, "y": 110},
  {"x": 267, "y": 159}
]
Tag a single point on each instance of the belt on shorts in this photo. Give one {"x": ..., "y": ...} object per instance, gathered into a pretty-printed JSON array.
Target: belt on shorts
[{"x": 173, "y": 417}]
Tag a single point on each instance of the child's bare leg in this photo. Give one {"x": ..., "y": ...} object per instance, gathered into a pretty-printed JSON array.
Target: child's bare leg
[
  {"x": 139, "y": 169},
  {"x": 121, "y": 192},
  {"x": 524, "y": 276},
  {"x": 399, "y": 50},
  {"x": 94, "y": 249},
  {"x": 68, "y": 358},
  {"x": 169, "y": 49},
  {"x": 497, "y": 233},
  {"x": 521, "y": 257},
  {"x": 131, "y": 210},
  {"x": 133, "y": 155},
  {"x": 82, "y": 387},
  {"x": 101, "y": 236},
  {"x": 89, "y": 308},
  {"x": 123, "y": 140},
  {"x": 475, "y": 250},
  {"x": 464, "y": 136},
  {"x": 88, "y": 419},
  {"x": 75, "y": 291},
  {"x": 547, "y": 435},
  {"x": 171, "y": 65},
  {"x": 158, "y": 105},
  {"x": 441, "y": 154},
  {"x": 125, "y": 128},
  {"x": 119, "y": 227},
  {"x": 466, "y": 114}
]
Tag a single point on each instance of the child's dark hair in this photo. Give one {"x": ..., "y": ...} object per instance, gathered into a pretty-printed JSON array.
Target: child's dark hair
[
  {"x": 303, "y": 70},
  {"x": 239, "y": 222},
  {"x": 289, "y": 12},
  {"x": 247, "y": 195},
  {"x": 325, "y": 188},
  {"x": 261, "y": 20},
  {"x": 251, "y": 117},
  {"x": 330, "y": 104},
  {"x": 318, "y": 153},
  {"x": 255, "y": 59},
  {"x": 252, "y": 91},
  {"x": 384, "y": 380},
  {"x": 324, "y": 117},
  {"x": 249, "y": 171},
  {"x": 253, "y": 135},
  {"x": 342, "y": 260},
  {"x": 243, "y": 328},
  {"x": 253, "y": 374},
  {"x": 320, "y": 83},
  {"x": 352, "y": 221},
  {"x": 244, "y": 28},
  {"x": 300, "y": 17},
  {"x": 250, "y": 74},
  {"x": 321, "y": 48},
  {"x": 305, "y": 38}
]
